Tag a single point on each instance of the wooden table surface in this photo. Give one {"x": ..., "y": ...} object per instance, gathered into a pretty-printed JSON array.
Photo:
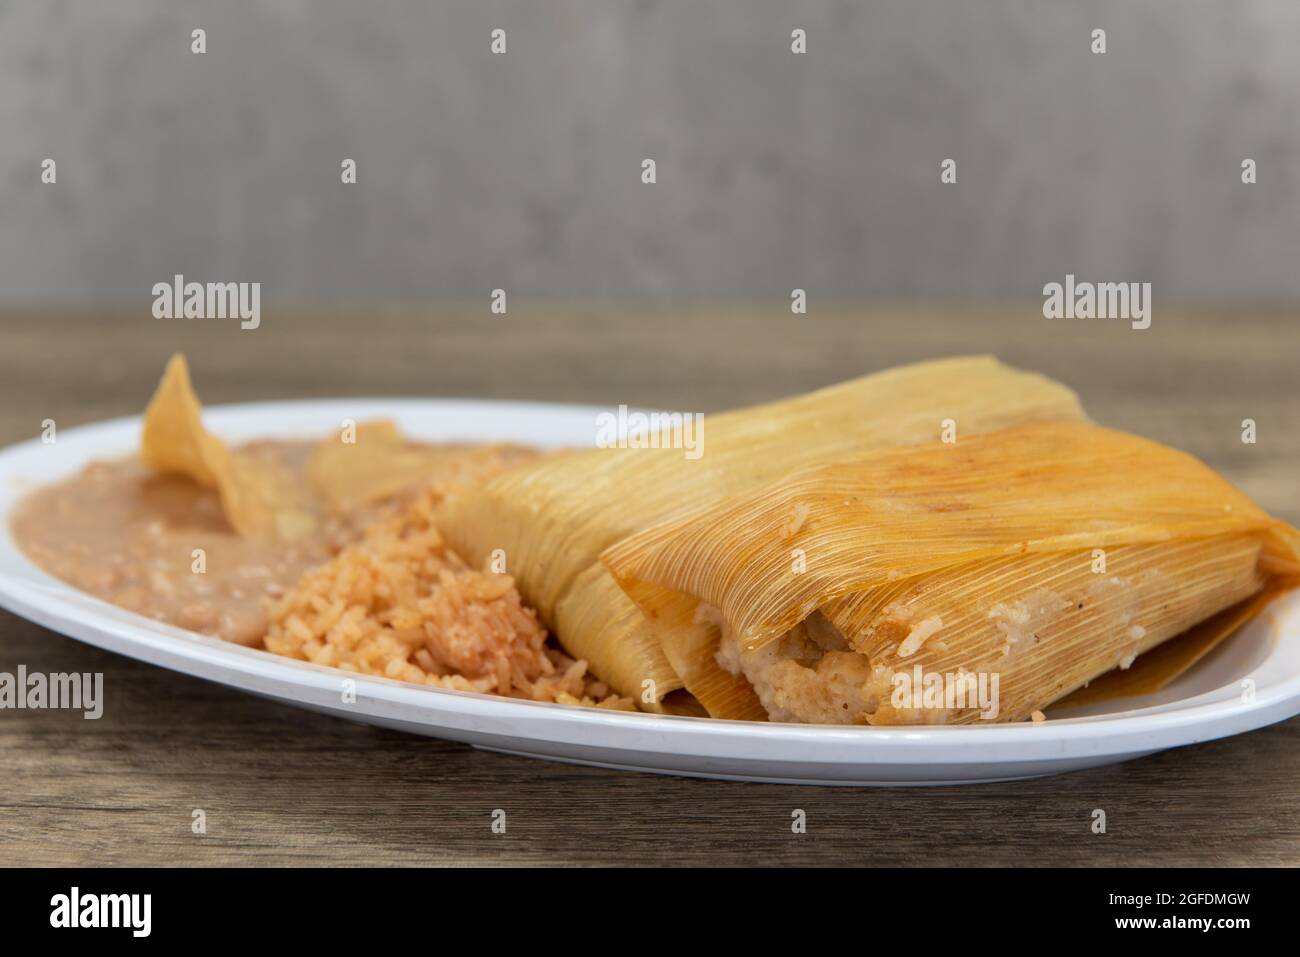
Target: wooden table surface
[{"x": 283, "y": 786}]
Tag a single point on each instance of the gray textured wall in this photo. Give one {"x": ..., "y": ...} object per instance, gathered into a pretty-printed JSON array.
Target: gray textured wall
[{"x": 522, "y": 170}]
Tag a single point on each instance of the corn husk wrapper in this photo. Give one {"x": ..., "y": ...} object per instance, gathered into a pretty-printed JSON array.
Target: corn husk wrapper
[
  {"x": 550, "y": 521},
  {"x": 986, "y": 546},
  {"x": 1161, "y": 666}
]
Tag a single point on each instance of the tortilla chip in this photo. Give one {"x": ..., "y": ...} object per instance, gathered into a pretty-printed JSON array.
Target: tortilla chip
[
  {"x": 371, "y": 461},
  {"x": 174, "y": 439},
  {"x": 260, "y": 499},
  {"x": 363, "y": 463}
]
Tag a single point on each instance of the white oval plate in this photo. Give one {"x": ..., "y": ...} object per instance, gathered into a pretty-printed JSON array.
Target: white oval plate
[{"x": 1209, "y": 702}]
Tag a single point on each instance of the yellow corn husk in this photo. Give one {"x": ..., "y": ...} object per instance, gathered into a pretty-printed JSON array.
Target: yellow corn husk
[
  {"x": 552, "y": 519},
  {"x": 1159, "y": 667},
  {"x": 1047, "y": 554}
]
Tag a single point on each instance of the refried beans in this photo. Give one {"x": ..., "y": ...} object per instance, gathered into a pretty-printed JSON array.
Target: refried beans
[{"x": 160, "y": 545}]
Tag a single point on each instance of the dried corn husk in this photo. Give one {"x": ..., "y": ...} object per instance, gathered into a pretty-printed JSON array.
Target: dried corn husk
[
  {"x": 1159, "y": 667},
  {"x": 981, "y": 554}
]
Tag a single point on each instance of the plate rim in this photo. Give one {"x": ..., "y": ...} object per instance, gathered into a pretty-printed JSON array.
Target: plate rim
[{"x": 59, "y": 607}]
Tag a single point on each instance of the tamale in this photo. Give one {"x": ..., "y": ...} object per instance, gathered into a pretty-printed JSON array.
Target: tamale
[
  {"x": 1039, "y": 556},
  {"x": 549, "y": 521}
]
